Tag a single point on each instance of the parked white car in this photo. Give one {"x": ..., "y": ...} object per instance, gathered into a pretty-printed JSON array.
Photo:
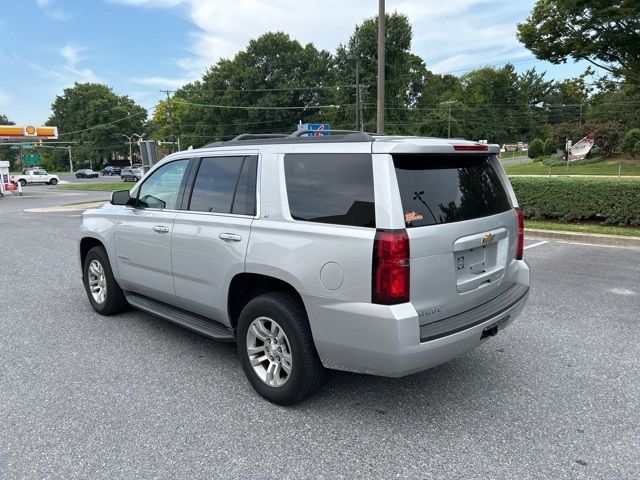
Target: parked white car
[{"x": 35, "y": 176}]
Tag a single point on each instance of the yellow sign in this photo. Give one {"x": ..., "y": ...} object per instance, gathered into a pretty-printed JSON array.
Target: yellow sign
[{"x": 16, "y": 132}]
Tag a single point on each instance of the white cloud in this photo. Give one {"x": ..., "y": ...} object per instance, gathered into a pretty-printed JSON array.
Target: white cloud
[
  {"x": 73, "y": 55},
  {"x": 162, "y": 82},
  {"x": 50, "y": 10},
  {"x": 449, "y": 35},
  {"x": 5, "y": 98}
]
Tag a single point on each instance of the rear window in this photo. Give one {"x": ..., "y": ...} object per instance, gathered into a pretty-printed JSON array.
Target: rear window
[
  {"x": 331, "y": 188},
  {"x": 448, "y": 188}
]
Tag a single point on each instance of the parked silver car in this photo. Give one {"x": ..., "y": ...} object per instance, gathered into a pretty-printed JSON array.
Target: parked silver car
[
  {"x": 131, "y": 174},
  {"x": 372, "y": 254}
]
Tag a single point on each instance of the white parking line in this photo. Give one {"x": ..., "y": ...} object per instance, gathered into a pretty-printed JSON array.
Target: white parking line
[{"x": 536, "y": 244}]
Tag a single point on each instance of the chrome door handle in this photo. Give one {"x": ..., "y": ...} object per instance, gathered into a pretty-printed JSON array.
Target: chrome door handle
[
  {"x": 230, "y": 237},
  {"x": 161, "y": 229}
]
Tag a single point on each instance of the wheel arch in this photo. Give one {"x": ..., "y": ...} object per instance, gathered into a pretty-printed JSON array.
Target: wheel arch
[
  {"x": 86, "y": 244},
  {"x": 245, "y": 286}
]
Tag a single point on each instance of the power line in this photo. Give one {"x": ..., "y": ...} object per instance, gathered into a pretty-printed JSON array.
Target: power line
[
  {"x": 104, "y": 124},
  {"x": 287, "y": 89},
  {"x": 238, "y": 107}
]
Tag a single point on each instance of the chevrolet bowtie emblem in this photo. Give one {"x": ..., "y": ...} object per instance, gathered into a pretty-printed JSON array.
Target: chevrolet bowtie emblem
[{"x": 488, "y": 238}]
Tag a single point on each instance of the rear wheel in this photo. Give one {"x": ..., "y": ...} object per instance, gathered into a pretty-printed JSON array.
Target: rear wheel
[
  {"x": 22, "y": 182},
  {"x": 104, "y": 293},
  {"x": 276, "y": 349}
]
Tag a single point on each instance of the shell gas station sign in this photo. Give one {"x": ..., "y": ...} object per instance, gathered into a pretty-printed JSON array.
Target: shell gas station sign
[{"x": 17, "y": 132}]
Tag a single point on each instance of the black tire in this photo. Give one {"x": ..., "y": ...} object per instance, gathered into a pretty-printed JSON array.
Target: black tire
[
  {"x": 22, "y": 182},
  {"x": 115, "y": 301},
  {"x": 53, "y": 181},
  {"x": 307, "y": 372}
]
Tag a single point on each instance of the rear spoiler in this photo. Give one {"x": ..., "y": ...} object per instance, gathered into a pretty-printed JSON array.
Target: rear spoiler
[{"x": 425, "y": 145}]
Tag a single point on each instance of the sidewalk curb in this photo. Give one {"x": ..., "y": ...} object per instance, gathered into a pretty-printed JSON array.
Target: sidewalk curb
[{"x": 586, "y": 238}]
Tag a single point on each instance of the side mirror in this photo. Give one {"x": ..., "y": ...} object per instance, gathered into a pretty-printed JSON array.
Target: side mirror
[{"x": 120, "y": 197}]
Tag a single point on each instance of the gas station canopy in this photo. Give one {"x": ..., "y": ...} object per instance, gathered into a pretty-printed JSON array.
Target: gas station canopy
[{"x": 29, "y": 132}]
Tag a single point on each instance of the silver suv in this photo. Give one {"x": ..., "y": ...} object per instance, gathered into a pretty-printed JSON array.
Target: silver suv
[{"x": 374, "y": 254}]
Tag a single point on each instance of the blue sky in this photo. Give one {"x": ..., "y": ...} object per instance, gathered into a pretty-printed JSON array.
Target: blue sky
[{"x": 141, "y": 46}]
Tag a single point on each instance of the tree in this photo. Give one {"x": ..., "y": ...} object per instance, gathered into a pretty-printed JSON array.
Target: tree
[
  {"x": 629, "y": 142},
  {"x": 549, "y": 147},
  {"x": 536, "y": 149},
  {"x": 605, "y": 33},
  {"x": 261, "y": 82},
  {"x": 404, "y": 73},
  {"x": 6, "y": 153},
  {"x": 96, "y": 117}
]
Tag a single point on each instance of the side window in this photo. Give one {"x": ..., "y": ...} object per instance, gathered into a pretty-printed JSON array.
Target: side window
[
  {"x": 244, "y": 201},
  {"x": 331, "y": 188},
  {"x": 161, "y": 189},
  {"x": 215, "y": 184}
]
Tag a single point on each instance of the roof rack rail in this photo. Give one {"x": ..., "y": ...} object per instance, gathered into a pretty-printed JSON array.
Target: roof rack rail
[
  {"x": 295, "y": 137},
  {"x": 256, "y": 136}
]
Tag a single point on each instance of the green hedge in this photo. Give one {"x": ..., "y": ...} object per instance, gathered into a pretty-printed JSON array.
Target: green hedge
[{"x": 610, "y": 201}]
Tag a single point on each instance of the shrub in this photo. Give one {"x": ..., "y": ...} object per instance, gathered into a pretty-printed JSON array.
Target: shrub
[
  {"x": 536, "y": 148},
  {"x": 607, "y": 136},
  {"x": 549, "y": 147},
  {"x": 610, "y": 201},
  {"x": 636, "y": 150},
  {"x": 629, "y": 142}
]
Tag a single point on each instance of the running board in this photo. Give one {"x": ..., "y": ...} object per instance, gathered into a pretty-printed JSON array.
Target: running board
[{"x": 197, "y": 323}]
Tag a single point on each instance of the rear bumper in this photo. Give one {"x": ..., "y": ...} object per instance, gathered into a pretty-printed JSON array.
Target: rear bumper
[{"x": 388, "y": 340}]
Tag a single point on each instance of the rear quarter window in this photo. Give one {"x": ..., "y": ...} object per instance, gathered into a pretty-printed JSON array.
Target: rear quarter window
[
  {"x": 331, "y": 188},
  {"x": 448, "y": 188}
]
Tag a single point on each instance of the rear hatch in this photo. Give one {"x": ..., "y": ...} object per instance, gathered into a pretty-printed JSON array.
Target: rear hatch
[{"x": 462, "y": 231}]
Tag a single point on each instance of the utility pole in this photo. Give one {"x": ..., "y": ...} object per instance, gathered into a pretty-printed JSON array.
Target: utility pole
[
  {"x": 170, "y": 110},
  {"x": 381, "y": 65},
  {"x": 580, "y": 114},
  {"x": 359, "y": 121},
  {"x": 70, "y": 160},
  {"x": 449, "y": 103}
]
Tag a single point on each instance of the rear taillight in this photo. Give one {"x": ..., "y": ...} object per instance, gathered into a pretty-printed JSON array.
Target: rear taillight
[
  {"x": 390, "y": 282},
  {"x": 520, "y": 247}
]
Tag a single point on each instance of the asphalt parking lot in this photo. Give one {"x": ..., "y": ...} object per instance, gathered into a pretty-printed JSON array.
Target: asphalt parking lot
[{"x": 557, "y": 395}]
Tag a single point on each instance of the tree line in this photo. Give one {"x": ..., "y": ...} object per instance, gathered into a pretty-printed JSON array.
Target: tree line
[{"x": 276, "y": 83}]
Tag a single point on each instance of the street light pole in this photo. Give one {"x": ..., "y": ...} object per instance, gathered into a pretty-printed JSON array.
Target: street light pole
[
  {"x": 381, "y": 65},
  {"x": 130, "y": 141}
]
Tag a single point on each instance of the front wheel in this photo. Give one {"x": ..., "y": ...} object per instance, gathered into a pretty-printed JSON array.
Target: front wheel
[
  {"x": 53, "y": 181},
  {"x": 276, "y": 349},
  {"x": 104, "y": 293}
]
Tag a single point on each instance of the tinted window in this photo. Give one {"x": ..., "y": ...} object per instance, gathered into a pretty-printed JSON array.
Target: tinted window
[
  {"x": 331, "y": 188},
  {"x": 161, "y": 189},
  {"x": 215, "y": 183},
  {"x": 244, "y": 201},
  {"x": 443, "y": 189}
]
